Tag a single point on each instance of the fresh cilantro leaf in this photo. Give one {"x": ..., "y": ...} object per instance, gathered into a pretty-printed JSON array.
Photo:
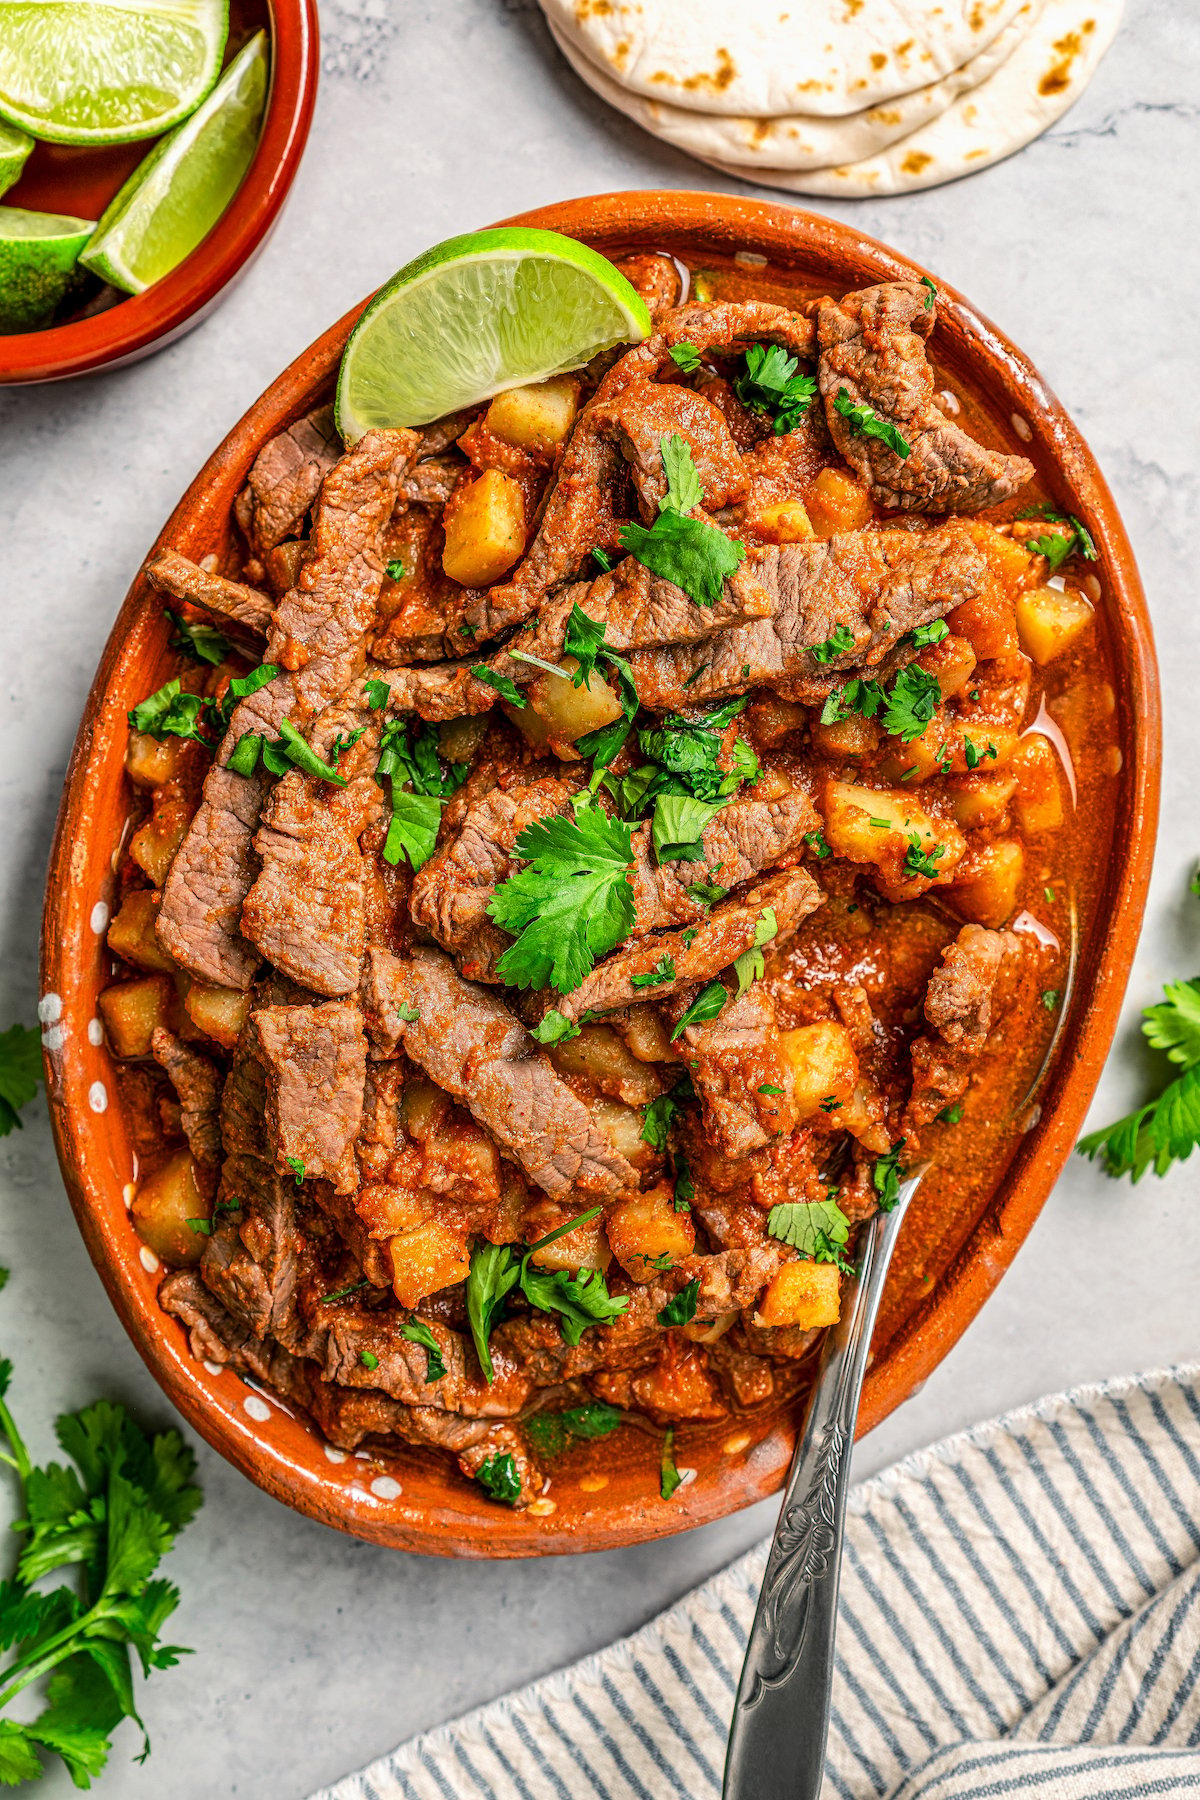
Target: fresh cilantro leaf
[
  {"x": 663, "y": 970},
  {"x": 840, "y": 639},
  {"x": 864, "y": 421},
  {"x": 922, "y": 862},
  {"x": 768, "y": 1087},
  {"x": 499, "y": 1479},
  {"x": 407, "y": 1014},
  {"x": 886, "y": 1176},
  {"x": 749, "y": 965},
  {"x": 204, "y": 642},
  {"x": 931, "y": 294},
  {"x": 297, "y": 1168},
  {"x": 921, "y": 635},
  {"x": 242, "y": 686},
  {"x": 685, "y": 1187},
  {"x": 950, "y": 1115},
  {"x": 686, "y": 357},
  {"x": 395, "y": 569},
  {"x": 413, "y": 829},
  {"x": 580, "y": 1300},
  {"x": 299, "y": 753},
  {"x": 417, "y": 1332},
  {"x": 679, "y": 825},
  {"x": 1056, "y": 546},
  {"x": 503, "y": 684},
  {"x": 553, "y": 1028},
  {"x": 707, "y": 1004},
  {"x": 681, "y": 1310},
  {"x": 657, "y": 1115},
  {"x": 694, "y": 554},
  {"x": 857, "y": 696},
  {"x": 816, "y": 1229},
  {"x": 602, "y": 560},
  {"x": 344, "y": 1293},
  {"x": 771, "y": 385},
  {"x": 690, "y": 749},
  {"x": 552, "y": 1433},
  {"x": 707, "y": 892},
  {"x": 243, "y": 759},
  {"x": 571, "y": 903},
  {"x": 914, "y": 698},
  {"x": 170, "y": 713},
  {"x": 1174, "y": 1024},
  {"x": 816, "y": 843},
  {"x": 602, "y": 745},
  {"x": 493, "y": 1274},
  {"x": 1165, "y": 1130},
  {"x": 684, "y": 492},
  {"x": 1050, "y": 999},
  {"x": 583, "y": 639},
  {"x": 669, "y": 1476},
  {"x": 378, "y": 693},
  {"x": 20, "y": 1072},
  {"x": 368, "y": 1359}
]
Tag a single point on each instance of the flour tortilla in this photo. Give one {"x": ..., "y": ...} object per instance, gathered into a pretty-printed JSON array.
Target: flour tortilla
[
  {"x": 761, "y": 58},
  {"x": 1043, "y": 77},
  {"x": 800, "y": 140}
]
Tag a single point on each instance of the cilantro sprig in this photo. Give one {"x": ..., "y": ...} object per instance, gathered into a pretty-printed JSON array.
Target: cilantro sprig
[
  {"x": 552, "y": 1433},
  {"x": 204, "y": 642},
  {"x": 572, "y": 902},
  {"x": 419, "y": 787},
  {"x": 864, "y": 421},
  {"x": 906, "y": 709},
  {"x": 693, "y": 553},
  {"x": 1057, "y": 546},
  {"x": 580, "y": 1300},
  {"x": 417, "y": 1332},
  {"x": 816, "y": 1229},
  {"x": 20, "y": 1072},
  {"x": 114, "y": 1509},
  {"x": 770, "y": 385}
]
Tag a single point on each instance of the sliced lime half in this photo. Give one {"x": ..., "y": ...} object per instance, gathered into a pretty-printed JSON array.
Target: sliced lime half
[
  {"x": 175, "y": 197},
  {"x": 106, "y": 71},
  {"x": 38, "y": 254},
  {"x": 14, "y": 148},
  {"x": 475, "y": 315}
]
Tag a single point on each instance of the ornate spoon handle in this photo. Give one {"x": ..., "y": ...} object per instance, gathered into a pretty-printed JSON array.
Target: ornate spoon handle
[{"x": 781, "y": 1716}]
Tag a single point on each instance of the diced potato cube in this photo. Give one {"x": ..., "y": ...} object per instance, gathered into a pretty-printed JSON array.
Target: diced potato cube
[
  {"x": 646, "y": 1227},
  {"x": 988, "y": 623},
  {"x": 1006, "y": 554},
  {"x": 622, "y": 1125},
  {"x": 162, "y": 1206},
  {"x": 148, "y": 763},
  {"x": 646, "y": 1036},
  {"x": 952, "y": 661},
  {"x": 1049, "y": 622},
  {"x": 131, "y": 935},
  {"x": 878, "y": 825},
  {"x": 852, "y": 737},
  {"x": 989, "y": 888},
  {"x": 584, "y": 1248},
  {"x": 132, "y": 1011},
  {"x": 429, "y": 1257},
  {"x": 806, "y": 1294},
  {"x": 836, "y": 502},
  {"x": 569, "y": 711},
  {"x": 977, "y": 800},
  {"x": 485, "y": 529},
  {"x": 784, "y": 523},
  {"x": 823, "y": 1064},
  {"x": 1039, "y": 785},
  {"x": 219, "y": 1012},
  {"x": 536, "y": 417},
  {"x": 459, "y": 739},
  {"x": 153, "y": 846},
  {"x": 599, "y": 1056},
  {"x": 864, "y": 1116}
]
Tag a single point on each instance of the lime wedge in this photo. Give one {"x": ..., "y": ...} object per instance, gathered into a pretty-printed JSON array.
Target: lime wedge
[
  {"x": 475, "y": 315},
  {"x": 14, "y": 148},
  {"x": 106, "y": 71},
  {"x": 38, "y": 254},
  {"x": 175, "y": 197}
]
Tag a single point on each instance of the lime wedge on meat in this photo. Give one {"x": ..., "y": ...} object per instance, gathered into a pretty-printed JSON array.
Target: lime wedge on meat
[
  {"x": 14, "y": 148},
  {"x": 175, "y": 197},
  {"x": 106, "y": 71},
  {"x": 475, "y": 315},
  {"x": 38, "y": 254}
]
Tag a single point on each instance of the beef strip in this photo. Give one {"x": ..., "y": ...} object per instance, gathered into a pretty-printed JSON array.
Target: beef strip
[
  {"x": 285, "y": 477},
  {"x": 197, "y": 1081},
  {"x": 959, "y": 1005},
  {"x": 646, "y": 412},
  {"x": 315, "y": 1061},
  {"x": 654, "y": 276},
  {"x": 746, "y": 837},
  {"x": 214, "y": 1335},
  {"x": 317, "y": 639},
  {"x": 879, "y": 584},
  {"x": 636, "y": 608},
  {"x": 731, "y": 1059},
  {"x": 173, "y": 574},
  {"x": 432, "y": 480},
  {"x": 400, "y": 1367},
  {"x": 469, "y": 1043},
  {"x": 697, "y": 954},
  {"x": 873, "y": 348},
  {"x": 582, "y": 509}
]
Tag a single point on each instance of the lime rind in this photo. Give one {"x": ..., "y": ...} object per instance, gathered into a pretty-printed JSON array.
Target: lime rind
[
  {"x": 38, "y": 257},
  {"x": 478, "y": 314},
  {"x": 14, "y": 149},
  {"x": 109, "y": 71},
  {"x": 178, "y": 193}
]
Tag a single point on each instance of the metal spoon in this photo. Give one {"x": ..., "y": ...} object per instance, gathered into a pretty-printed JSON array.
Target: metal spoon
[{"x": 781, "y": 1715}]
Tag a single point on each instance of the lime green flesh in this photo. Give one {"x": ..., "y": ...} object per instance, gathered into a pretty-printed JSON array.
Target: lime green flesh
[
  {"x": 38, "y": 254},
  {"x": 173, "y": 199},
  {"x": 478, "y": 314},
  {"x": 106, "y": 71},
  {"x": 14, "y": 148}
]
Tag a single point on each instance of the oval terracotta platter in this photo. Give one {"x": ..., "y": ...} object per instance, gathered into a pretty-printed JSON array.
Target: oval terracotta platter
[{"x": 949, "y": 1261}]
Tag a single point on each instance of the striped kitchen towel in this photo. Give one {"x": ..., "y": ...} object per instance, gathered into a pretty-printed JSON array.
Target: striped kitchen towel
[{"x": 1020, "y": 1616}]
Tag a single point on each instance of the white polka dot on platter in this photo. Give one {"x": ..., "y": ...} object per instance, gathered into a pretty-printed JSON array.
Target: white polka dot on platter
[
  {"x": 54, "y": 1037},
  {"x": 148, "y": 1260},
  {"x": 100, "y": 916},
  {"x": 335, "y": 1455},
  {"x": 98, "y": 1097},
  {"x": 214, "y": 1368},
  {"x": 129, "y": 1193},
  {"x": 385, "y": 1487},
  {"x": 255, "y": 1408},
  {"x": 95, "y": 1032},
  {"x": 49, "y": 1008}
]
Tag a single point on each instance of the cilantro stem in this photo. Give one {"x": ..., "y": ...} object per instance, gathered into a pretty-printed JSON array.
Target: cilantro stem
[
  {"x": 21, "y": 1464},
  {"x": 526, "y": 656}
]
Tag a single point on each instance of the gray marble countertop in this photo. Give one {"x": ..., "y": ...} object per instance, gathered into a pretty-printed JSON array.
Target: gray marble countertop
[{"x": 314, "y": 1652}]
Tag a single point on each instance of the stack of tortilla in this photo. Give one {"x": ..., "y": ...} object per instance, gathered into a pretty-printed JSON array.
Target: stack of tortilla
[{"x": 838, "y": 97}]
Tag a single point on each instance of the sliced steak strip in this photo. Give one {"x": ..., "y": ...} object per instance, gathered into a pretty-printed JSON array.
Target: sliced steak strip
[
  {"x": 214, "y": 1335},
  {"x": 959, "y": 1005},
  {"x": 879, "y": 584},
  {"x": 173, "y": 574},
  {"x": 285, "y": 477},
  {"x": 873, "y": 347},
  {"x": 400, "y": 1367},
  {"x": 731, "y": 1059},
  {"x": 646, "y": 412},
  {"x": 315, "y": 1062},
  {"x": 655, "y": 277},
  {"x": 318, "y": 639},
  {"x": 697, "y": 954},
  {"x": 470, "y": 1044},
  {"x": 197, "y": 1081},
  {"x": 746, "y": 837}
]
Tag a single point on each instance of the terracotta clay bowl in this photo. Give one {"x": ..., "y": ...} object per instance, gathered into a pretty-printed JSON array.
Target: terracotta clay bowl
[
  {"x": 80, "y": 181},
  {"x": 606, "y": 1494}
]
